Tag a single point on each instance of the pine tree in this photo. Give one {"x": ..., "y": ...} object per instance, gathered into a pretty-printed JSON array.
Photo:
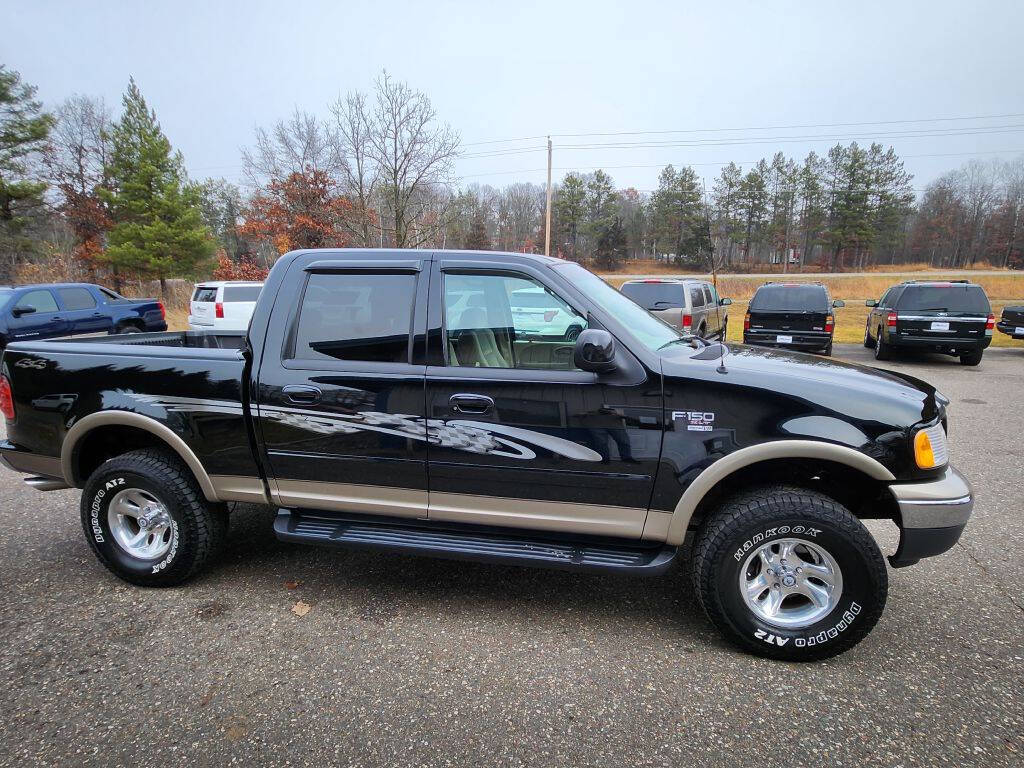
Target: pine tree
[
  {"x": 24, "y": 129},
  {"x": 679, "y": 216},
  {"x": 478, "y": 239},
  {"x": 158, "y": 228},
  {"x": 611, "y": 245},
  {"x": 570, "y": 204}
]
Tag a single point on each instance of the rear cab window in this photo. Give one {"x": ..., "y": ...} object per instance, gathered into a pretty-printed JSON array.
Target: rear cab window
[
  {"x": 76, "y": 298},
  {"x": 234, "y": 293},
  {"x": 790, "y": 298},
  {"x": 963, "y": 299},
  {"x": 696, "y": 296},
  {"x": 353, "y": 317},
  {"x": 655, "y": 295}
]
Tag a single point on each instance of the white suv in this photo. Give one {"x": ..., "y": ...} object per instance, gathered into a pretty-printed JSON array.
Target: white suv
[{"x": 223, "y": 306}]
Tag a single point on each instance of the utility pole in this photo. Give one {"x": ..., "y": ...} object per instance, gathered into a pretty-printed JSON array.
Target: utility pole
[{"x": 547, "y": 212}]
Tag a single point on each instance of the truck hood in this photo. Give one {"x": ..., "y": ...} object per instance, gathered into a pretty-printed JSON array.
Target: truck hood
[{"x": 824, "y": 386}]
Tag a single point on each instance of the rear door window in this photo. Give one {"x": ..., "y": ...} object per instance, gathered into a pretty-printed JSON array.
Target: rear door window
[
  {"x": 944, "y": 298},
  {"x": 707, "y": 295},
  {"x": 790, "y": 298},
  {"x": 76, "y": 298},
  {"x": 205, "y": 294},
  {"x": 696, "y": 296},
  {"x": 40, "y": 301},
  {"x": 653, "y": 296},
  {"x": 365, "y": 317},
  {"x": 242, "y": 292}
]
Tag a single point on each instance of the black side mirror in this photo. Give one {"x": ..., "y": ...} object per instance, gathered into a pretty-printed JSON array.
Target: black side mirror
[
  {"x": 870, "y": 303},
  {"x": 19, "y": 311},
  {"x": 595, "y": 351},
  {"x": 838, "y": 303},
  {"x": 725, "y": 302}
]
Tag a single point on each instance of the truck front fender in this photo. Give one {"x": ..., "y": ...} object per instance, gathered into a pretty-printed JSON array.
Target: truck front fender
[{"x": 745, "y": 457}]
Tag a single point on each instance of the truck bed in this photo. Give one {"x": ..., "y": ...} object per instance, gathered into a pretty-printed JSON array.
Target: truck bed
[{"x": 182, "y": 339}]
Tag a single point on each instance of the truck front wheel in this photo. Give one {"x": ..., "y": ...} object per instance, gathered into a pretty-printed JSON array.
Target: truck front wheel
[
  {"x": 788, "y": 573},
  {"x": 147, "y": 520}
]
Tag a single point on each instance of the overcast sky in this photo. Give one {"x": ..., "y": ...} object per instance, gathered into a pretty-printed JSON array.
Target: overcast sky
[{"x": 497, "y": 70}]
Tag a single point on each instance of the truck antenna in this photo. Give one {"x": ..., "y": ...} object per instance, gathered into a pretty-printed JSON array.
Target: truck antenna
[{"x": 714, "y": 281}]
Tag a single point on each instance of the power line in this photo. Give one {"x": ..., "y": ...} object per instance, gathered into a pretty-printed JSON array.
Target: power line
[{"x": 749, "y": 128}]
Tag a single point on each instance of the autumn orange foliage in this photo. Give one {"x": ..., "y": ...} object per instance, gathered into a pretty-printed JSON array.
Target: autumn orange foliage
[
  {"x": 243, "y": 269},
  {"x": 300, "y": 211}
]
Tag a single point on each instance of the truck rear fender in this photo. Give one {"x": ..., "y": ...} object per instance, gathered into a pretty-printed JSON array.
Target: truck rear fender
[{"x": 136, "y": 421}]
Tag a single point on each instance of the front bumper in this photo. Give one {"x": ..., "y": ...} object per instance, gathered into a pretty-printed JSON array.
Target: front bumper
[{"x": 933, "y": 514}]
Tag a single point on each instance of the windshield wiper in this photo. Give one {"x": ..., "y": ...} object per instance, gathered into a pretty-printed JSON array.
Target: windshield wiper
[{"x": 691, "y": 340}]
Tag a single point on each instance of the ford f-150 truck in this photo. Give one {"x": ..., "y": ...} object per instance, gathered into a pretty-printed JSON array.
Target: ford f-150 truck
[{"x": 388, "y": 400}]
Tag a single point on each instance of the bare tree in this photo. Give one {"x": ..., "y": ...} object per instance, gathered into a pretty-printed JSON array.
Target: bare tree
[
  {"x": 414, "y": 156},
  {"x": 77, "y": 162},
  {"x": 301, "y": 144},
  {"x": 352, "y": 132}
]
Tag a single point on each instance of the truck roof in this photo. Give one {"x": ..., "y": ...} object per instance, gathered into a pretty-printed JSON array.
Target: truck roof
[{"x": 362, "y": 253}]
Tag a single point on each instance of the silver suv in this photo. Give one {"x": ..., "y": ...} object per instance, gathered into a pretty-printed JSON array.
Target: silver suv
[{"x": 692, "y": 305}]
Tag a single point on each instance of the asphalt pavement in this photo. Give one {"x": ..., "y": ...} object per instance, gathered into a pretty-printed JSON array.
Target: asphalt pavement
[{"x": 409, "y": 661}]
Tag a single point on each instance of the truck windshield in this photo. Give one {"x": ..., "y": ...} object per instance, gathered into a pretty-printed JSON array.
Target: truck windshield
[
  {"x": 649, "y": 330},
  {"x": 945, "y": 298},
  {"x": 790, "y": 298}
]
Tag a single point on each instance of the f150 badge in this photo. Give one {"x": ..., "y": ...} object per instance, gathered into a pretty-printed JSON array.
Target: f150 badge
[{"x": 696, "y": 421}]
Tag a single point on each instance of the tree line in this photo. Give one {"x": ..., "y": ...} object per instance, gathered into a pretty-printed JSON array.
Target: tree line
[{"x": 111, "y": 197}]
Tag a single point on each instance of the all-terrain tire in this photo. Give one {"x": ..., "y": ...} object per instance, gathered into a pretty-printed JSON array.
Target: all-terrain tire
[
  {"x": 197, "y": 528},
  {"x": 754, "y": 519}
]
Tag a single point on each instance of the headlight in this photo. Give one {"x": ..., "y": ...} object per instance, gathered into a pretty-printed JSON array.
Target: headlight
[{"x": 930, "y": 450}]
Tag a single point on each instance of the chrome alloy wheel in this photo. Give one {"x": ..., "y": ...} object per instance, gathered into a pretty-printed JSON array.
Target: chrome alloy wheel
[
  {"x": 140, "y": 524},
  {"x": 791, "y": 583}
]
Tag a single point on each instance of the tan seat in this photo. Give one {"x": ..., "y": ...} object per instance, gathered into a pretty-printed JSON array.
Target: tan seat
[{"x": 477, "y": 346}]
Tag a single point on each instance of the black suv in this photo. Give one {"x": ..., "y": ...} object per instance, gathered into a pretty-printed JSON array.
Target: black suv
[
  {"x": 792, "y": 315},
  {"x": 953, "y": 318}
]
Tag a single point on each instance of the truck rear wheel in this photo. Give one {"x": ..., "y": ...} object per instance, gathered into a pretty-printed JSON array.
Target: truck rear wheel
[
  {"x": 971, "y": 358},
  {"x": 147, "y": 520},
  {"x": 883, "y": 350},
  {"x": 788, "y": 573}
]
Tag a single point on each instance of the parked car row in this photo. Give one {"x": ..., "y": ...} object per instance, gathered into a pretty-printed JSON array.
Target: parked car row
[{"x": 948, "y": 317}]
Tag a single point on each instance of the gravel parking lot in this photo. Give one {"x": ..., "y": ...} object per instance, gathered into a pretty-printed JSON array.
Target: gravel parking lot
[{"x": 406, "y": 661}]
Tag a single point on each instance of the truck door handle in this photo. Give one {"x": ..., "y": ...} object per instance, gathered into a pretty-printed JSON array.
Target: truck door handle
[
  {"x": 302, "y": 394},
  {"x": 475, "y": 404}
]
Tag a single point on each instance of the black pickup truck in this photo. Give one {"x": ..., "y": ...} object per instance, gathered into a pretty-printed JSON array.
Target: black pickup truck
[{"x": 388, "y": 400}]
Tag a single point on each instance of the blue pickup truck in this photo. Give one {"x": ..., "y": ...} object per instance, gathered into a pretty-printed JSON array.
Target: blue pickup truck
[{"x": 70, "y": 309}]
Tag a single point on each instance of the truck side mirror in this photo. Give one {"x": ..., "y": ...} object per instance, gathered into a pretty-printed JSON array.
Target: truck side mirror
[
  {"x": 595, "y": 351},
  {"x": 870, "y": 303},
  {"x": 838, "y": 303},
  {"x": 19, "y": 311},
  {"x": 725, "y": 302}
]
